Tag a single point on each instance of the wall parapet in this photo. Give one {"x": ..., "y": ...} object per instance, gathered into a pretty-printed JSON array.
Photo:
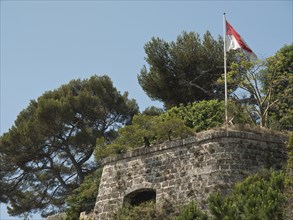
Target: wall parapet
[{"x": 198, "y": 138}]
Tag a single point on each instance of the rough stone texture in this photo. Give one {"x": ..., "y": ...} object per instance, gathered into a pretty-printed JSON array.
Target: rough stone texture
[
  {"x": 60, "y": 216},
  {"x": 86, "y": 216},
  {"x": 187, "y": 169}
]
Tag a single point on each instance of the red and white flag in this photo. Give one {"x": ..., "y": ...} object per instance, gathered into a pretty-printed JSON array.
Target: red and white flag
[{"x": 234, "y": 41}]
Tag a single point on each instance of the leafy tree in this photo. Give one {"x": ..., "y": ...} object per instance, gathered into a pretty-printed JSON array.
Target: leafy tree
[
  {"x": 184, "y": 71},
  {"x": 247, "y": 76},
  {"x": 266, "y": 88},
  {"x": 260, "y": 196},
  {"x": 257, "y": 102},
  {"x": 49, "y": 149},
  {"x": 278, "y": 81}
]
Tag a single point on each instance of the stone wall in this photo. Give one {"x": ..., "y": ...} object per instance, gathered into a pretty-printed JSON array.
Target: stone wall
[
  {"x": 59, "y": 216},
  {"x": 187, "y": 169}
]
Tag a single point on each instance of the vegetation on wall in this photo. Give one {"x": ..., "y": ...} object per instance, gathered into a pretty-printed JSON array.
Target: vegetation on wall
[
  {"x": 144, "y": 131},
  {"x": 145, "y": 211},
  {"x": 154, "y": 127},
  {"x": 199, "y": 116}
]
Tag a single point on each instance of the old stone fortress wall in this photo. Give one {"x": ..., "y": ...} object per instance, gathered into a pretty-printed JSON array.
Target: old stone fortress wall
[{"x": 186, "y": 169}]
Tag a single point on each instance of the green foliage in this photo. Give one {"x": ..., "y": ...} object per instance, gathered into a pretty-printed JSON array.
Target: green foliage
[
  {"x": 153, "y": 111},
  {"x": 191, "y": 212},
  {"x": 184, "y": 71},
  {"x": 144, "y": 131},
  {"x": 265, "y": 88},
  {"x": 47, "y": 152},
  {"x": 290, "y": 154},
  {"x": 238, "y": 114},
  {"x": 199, "y": 116},
  {"x": 177, "y": 122},
  {"x": 260, "y": 196},
  {"x": 145, "y": 211},
  {"x": 252, "y": 98},
  {"x": 84, "y": 197},
  {"x": 278, "y": 79},
  {"x": 130, "y": 137},
  {"x": 171, "y": 129}
]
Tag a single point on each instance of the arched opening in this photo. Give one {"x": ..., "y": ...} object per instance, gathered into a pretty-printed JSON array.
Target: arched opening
[{"x": 139, "y": 196}]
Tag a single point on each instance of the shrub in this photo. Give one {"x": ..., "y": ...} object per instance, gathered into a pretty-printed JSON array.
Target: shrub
[
  {"x": 191, "y": 212},
  {"x": 260, "y": 196}
]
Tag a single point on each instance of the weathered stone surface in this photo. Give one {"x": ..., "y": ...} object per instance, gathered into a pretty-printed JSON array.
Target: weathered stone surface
[
  {"x": 60, "y": 216},
  {"x": 187, "y": 169}
]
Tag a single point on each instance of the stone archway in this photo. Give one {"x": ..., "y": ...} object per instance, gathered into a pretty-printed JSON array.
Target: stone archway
[{"x": 140, "y": 196}]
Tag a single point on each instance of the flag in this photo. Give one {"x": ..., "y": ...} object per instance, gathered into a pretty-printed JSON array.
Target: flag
[{"x": 234, "y": 41}]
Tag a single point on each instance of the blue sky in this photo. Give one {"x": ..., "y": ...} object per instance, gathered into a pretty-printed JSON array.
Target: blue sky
[{"x": 45, "y": 44}]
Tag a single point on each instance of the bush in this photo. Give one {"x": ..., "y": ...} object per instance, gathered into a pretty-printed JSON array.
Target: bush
[
  {"x": 144, "y": 211},
  {"x": 191, "y": 212},
  {"x": 260, "y": 196},
  {"x": 199, "y": 115}
]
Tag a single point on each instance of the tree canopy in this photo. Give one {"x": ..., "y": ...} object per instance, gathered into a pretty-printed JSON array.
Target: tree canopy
[
  {"x": 278, "y": 80},
  {"x": 47, "y": 153},
  {"x": 265, "y": 88},
  {"x": 251, "y": 96},
  {"x": 184, "y": 71}
]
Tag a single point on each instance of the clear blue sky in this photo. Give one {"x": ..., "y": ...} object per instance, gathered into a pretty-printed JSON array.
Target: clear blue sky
[{"x": 45, "y": 44}]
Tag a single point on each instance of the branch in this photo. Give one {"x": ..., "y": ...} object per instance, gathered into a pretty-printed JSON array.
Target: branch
[
  {"x": 57, "y": 174},
  {"x": 74, "y": 162},
  {"x": 270, "y": 105},
  {"x": 86, "y": 158},
  {"x": 197, "y": 86}
]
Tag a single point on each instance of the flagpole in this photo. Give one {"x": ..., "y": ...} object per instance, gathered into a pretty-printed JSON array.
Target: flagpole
[{"x": 225, "y": 70}]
